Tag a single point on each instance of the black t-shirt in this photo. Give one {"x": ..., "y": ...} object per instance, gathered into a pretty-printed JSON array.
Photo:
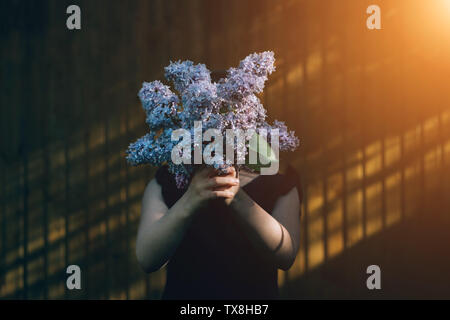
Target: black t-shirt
[{"x": 215, "y": 259}]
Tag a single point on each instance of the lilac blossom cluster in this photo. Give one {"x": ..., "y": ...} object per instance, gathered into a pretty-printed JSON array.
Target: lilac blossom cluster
[{"x": 231, "y": 103}]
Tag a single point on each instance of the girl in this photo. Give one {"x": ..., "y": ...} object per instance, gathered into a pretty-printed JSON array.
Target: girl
[{"x": 224, "y": 237}]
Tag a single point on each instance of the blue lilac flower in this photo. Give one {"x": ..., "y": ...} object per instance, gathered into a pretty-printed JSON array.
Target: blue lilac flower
[
  {"x": 287, "y": 138},
  {"x": 160, "y": 105},
  {"x": 232, "y": 103},
  {"x": 152, "y": 148},
  {"x": 259, "y": 64},
  {"x": 249, "y": 77},
  {"x": 199, "y": 101},
  {"x": 184, "y": 73}
]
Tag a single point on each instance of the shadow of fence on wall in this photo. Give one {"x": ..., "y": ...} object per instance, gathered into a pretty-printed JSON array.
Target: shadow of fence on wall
[{"x": 87, "y": 214}]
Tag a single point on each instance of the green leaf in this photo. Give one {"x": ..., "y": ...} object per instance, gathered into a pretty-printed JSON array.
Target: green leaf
[{"x": 264, "y": 151}]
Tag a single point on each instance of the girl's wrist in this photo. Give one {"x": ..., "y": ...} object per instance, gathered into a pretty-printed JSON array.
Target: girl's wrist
[
  {"x": 238, "y": 197},
  {"x": 190, "y": 203}
]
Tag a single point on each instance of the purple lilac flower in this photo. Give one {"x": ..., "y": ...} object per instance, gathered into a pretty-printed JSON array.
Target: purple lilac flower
[
  {"x": 183, "y": 74},
  {"x": 151, "y": 148},
  {"x": 231, "y": 103},
  {"x": 249, "y": 77},
  {"x": 288, "y": 140},
  {"x": 200, "y": 101},
  {"x": 160, "y": 105}
]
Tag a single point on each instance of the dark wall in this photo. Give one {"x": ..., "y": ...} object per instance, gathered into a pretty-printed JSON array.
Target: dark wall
[{"x": 370, "y": 106}]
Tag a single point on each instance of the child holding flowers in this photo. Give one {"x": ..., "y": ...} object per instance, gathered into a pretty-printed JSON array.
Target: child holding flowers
[{"x": 223, "y": 229}]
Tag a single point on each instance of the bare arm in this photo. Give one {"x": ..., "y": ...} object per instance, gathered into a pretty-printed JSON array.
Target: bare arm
[
  {"x": 161, "y": 229},
  {"x": 277, "y": 236}
]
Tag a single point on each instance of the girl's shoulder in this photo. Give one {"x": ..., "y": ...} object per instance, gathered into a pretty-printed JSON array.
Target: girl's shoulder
[
  {"x": 267, "y": 189},
  {"x": 169, "y": 189},
  {"x": 289, "y": 178},
  {"x": 162, "y": 175}
]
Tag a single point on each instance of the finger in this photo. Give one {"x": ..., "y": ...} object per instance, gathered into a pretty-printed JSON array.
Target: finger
[
  {"x": 227, "y": 171},
  {"x": 221, "y": 194},
  {"x": 221, "y": 188},
  {"x": 219, "y": 172},
  {"x": 231, "y": 171},
  {"x": 221, "y": 181}
]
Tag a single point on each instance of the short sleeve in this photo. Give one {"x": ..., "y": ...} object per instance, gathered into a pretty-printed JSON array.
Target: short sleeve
[
  {"x": 291, "y": 179},
  {"x": 267, "y": 189},
  {"x": 162, "y": 176},
  {"x": 169, "y": 189}
]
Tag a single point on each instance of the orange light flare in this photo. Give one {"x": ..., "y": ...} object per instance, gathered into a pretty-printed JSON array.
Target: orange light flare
[
  {"x": 437, "y": 12},
  {"x": 445, "y": 5},
  {"x": 427, "y": 30},
  {"x": 440, "y": 24}
]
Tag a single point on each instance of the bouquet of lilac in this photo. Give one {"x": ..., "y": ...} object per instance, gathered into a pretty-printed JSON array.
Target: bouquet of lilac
[{"x": 231, "y": 103}]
